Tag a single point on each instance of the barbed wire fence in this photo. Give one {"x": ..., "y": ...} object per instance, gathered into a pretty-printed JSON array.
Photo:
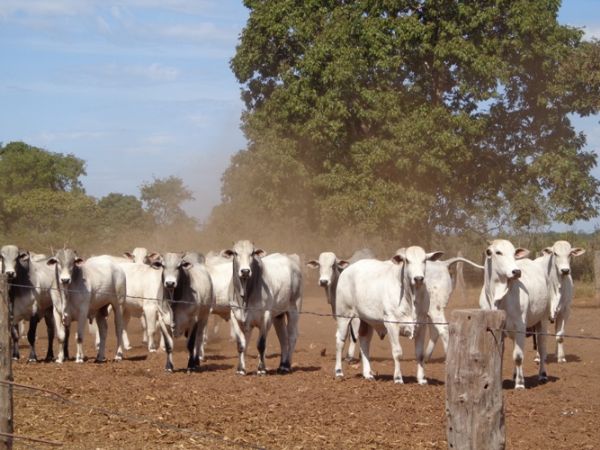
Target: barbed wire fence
[{"x": 7, "y": 436}]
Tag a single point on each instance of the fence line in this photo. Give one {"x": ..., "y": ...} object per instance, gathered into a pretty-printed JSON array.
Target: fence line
[
  {"x": 21, "y": 437},
  {"x": 335, "y": 316},
  {"x": 56, "y": 397}
]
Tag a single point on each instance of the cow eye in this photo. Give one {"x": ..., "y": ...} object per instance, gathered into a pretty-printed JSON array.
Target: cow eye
[
  {"x": 488, "y": 252},
  {"x": 498, "y": 252},
  {"x": 157, "y": 264}
]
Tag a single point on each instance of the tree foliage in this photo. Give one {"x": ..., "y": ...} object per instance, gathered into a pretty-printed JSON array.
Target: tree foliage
[
  {"x": 163, "y": 198},
  {"x": 408, "y": 117}
]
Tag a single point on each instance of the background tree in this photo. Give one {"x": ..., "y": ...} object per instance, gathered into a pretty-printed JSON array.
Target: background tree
[
  {"x": 163, "y": 199},
  {"x": 411, "y": 117}
]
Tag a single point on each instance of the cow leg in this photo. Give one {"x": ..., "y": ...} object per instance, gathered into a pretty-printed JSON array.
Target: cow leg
[
  {"x": 340, "y": 340},
  {"x": 149, "y": 316},
  {"x": 561, "y": 321},
  {"x": 365, "y": 333},
  {"x": 519, "y": 344},
  {"x": 419, "y": 354},
  {"x": 102, "y": 332},
  {"x": 201, "y": 335},
  {"x": 282, "y": 336},
  {"x": 541, "y": 329},
  {"x": 242, "y": 339},
  {"x": 261, "y": 347},
  {"x": 126, "y": 314},
  {"x": 14, "y": 331},
  {"x": 94, "y": 330},
  {"x": 167, "y": 338},
  {"x": 50, "y": 326},
  {"x": 433, "y": 337},
  {"x": 353, "y": 329},
  {"x": 33, "y": 322},
  {"x": 191, "y": 346},
  {"x": 118, "y": 331},
  {"x": 144, "y": 328}
]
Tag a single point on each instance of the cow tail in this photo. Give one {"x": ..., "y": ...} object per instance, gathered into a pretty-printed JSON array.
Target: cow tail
[{"x": 352, "y": 333}]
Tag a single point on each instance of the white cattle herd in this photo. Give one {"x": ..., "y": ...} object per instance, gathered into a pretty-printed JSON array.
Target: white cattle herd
[{"x": 176, "y": 292}]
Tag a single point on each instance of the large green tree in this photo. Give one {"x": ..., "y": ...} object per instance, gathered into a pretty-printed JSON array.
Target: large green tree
[
  {"x": 163, "y": 199},
  {"x": 402, "y": 118}
]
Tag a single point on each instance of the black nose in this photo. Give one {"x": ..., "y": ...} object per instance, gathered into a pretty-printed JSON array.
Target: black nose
[
  {"x": 565, "y": 271},
  {"x": 418, "y": 279},
  {"x": 516, "y": 273},
  {"x": 170, "y": 284},
  {"x": 10, "y": 274},
  {"x": 65, "y": 280},
  {"x": 245, "y": 273},
  {"x": 323, "y": 283}
]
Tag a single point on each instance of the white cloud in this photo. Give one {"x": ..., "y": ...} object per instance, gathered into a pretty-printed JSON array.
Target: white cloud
[
  {"x": 56, "y": 136},
  {"x": 592, "y": 32}
]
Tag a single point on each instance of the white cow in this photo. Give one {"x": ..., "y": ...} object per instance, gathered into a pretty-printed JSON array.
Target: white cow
[
  {"x": 388, "y": 297},
  {"x": 87, "y": 289},
  {"x": 330, "y": 268},
  {"x": 188, "y": 298},
  {"x": 139, "y": 255},
  {"x": 440, "y": 285},
  {"x": 517, "y": 285},
  {"x": 556, "y": 264},
  {"x": 31, "y": 292},
  {"x": 265, "y": 290},
  {"x": 220, "y": 267}
]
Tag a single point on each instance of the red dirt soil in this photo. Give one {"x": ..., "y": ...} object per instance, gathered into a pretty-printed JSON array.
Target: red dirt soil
[{"x": 135, "y": 404}]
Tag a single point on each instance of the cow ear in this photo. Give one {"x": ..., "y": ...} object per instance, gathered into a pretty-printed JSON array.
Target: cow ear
[
  {"x": 79, "y": 261},
  {"x": 521, "y": 253},
  {"x": 397, "y": 259},
  {"x": 260, "y": 253},
  {"x": 128, "y": 255},
  {"x": 313, "y": 264},
  {"x": 342, "y": 264},
  {"x": 24, "y": 256},
  {"x": 227, "y": 253},
  {"x": 577, "y": 251},
  {"x": 434, "y": 256},
  {"x": 547, "y": 251},
  {"x": 51, "y": 261}
]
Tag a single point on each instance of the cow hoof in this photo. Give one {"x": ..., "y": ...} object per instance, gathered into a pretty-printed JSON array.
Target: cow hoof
[
  {"x": 241, "y": 372},
  {"x": 369, "y": 377},
  {"x": 398, "y": 380},
  {"x": 543, "y": 377},
  {"x": 127, "y": 347},
  {"x": 261, "y": 372},
  {"x": 32, "y": 360},
  {"x": 119, "y": 357},
  {"x": 98, "y": 360},
  {"x": 423, "y": 382},
  {"x": 519, "y": 386},
  {"x": 80, "y": 360},
  {"x": 283, "y": 370},
  {"x": 562, "y": 360}
]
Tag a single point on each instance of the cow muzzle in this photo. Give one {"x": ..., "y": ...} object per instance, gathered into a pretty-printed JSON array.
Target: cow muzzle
[
  {"x": 516, "y": 274},
  {"x": 10, "y": 274},
  {"x": 244, "y": 274},
  {"x": 323, "y": 282}
]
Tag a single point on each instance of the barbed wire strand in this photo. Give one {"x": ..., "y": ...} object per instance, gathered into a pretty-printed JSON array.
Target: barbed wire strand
[
  {"x": 314, "y": 313},
  {"x": 55, "y": 396},
  {"x": 233, "y": 306},
  {"x": 21, "y": 437}
]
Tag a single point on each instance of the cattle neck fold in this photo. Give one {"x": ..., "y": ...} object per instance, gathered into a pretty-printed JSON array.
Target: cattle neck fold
[
  {"x": 560, "y": 286},
  {"x": 244, "y": 287},
  {"x": 496, "y": 287}
]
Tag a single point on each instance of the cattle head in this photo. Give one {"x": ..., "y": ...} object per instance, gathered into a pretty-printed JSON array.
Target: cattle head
[
  {"x": 246, "y": 261},
  {"x": 501, "y": 268},
  {"x": 12, "y": 257},
  {"x": 67, "y": 264},
  {"x": 138, "y": 256},
  {"x": 329, "y": 268},
  {"x": 414, "y": 259},
  {"x": 171, "y": 263},
  {"x": 559, "y": 273}
]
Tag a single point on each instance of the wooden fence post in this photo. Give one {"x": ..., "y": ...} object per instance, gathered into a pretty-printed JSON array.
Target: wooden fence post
[
  {"x": 597, "y": 276},
  {"x": 474, "y": 402},
  {"x": 6, "y": 390}
]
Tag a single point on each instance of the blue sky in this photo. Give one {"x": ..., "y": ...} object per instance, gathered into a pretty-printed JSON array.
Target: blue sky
[{"x": 142, "y": 88}]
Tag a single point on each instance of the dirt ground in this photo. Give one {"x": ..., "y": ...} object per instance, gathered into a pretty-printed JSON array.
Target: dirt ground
[{"x": 135, "y": 404}]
